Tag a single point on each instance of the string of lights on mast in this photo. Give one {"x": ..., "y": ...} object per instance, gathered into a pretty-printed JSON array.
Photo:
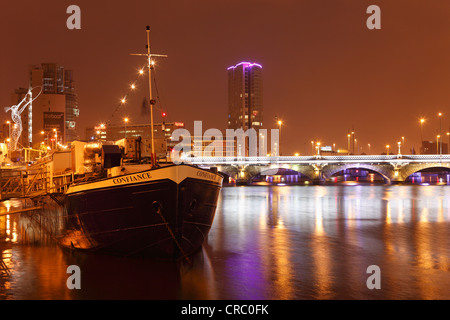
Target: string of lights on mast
[{"x": 150, "y": 65}]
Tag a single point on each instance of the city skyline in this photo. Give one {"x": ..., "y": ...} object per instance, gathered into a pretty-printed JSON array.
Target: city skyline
[
  {"x": 325, "y": 72},
  {"x": 224, "y": 151}
]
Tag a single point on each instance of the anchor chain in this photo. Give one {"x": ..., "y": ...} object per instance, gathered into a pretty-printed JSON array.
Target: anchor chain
[{"x": 158, "y": 211}]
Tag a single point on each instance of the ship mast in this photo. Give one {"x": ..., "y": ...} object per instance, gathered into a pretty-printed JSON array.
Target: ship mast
[
  {"x": 150, "y": 67},
  {"x": 150, "y": 63}
]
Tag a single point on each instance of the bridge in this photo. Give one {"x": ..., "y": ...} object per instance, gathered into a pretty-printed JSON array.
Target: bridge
[{"x": 393, "y": 168}]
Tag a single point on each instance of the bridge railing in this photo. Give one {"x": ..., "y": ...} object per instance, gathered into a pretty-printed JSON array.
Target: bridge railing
[{"x": 316, "y": 159}]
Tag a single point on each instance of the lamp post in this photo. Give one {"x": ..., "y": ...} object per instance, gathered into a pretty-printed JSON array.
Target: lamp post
[
  {"x": 43, "y": 136},
  {"x": 9, "y": 133},
  {"x": 279, "y": 127},
  {"x": 126, "y": 121},
  {"x": 440, "y": 132},
  {"x": 421, "y": 132},
  {"x": 448, "y": 144},
  {"x": 399, "y": 145},
  {"x": 369, "y": 147},
  {"x": 438, "y": 137},
  {"x": 387, "y": 149},
  {"x": 353, "y": 140},
  {"x": 56, "y": 136},
  {"x": 9, "y": 128},
  {"x": 348, "y": 144},
  {"x": 403, "y": 141}
]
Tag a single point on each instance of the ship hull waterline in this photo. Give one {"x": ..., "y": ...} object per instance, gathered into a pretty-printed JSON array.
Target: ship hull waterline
[{"x": 164, "y": 213}]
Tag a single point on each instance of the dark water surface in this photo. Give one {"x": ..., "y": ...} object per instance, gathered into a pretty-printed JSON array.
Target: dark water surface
[{"x": 267, "y": 242}]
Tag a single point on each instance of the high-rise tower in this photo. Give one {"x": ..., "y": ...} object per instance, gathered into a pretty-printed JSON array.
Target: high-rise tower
[
  {"x": 245, "y": 108},
  {"x": 57, "y": 106}
]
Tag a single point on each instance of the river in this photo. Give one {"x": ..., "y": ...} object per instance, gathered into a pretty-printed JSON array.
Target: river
[{"x": 267, "y": 242}]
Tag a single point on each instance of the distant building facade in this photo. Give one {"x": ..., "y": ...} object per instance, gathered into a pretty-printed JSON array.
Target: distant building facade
[
  {"x": 56, "y": 108},
  {"x": 142, "y": 132},
  {"x": 114, "y": 132},
  {"x": 433, "y": 147}
]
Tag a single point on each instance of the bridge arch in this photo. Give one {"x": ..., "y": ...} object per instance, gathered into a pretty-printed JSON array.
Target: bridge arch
[
  {"x": 412, "y": 168},
  {"x": 228, "y": 172},
  {"x": 384, "y": 170},
  {"x": 308, "y": 171},
  {"x": 391, "y": 168}
]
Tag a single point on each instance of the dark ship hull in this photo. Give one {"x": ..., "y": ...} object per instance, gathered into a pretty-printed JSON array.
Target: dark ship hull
[{"x": 165, "y": 212}]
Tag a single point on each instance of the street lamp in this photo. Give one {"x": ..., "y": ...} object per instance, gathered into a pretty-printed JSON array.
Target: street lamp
[
  {"x": 440, "y": 132},
  {"x": 318, "y": 148},
  {"x": 399, "y": 145},
  {"x": 369, "y": 147},
  {"x": 126, "y": 121},
  {"x": 348, "y": 144},
  {"x": 403, "y": 141},
  {"x": 387, "y": 149},
  {"x": 437, "y": 143},
  {"x": 312, "y": 147},
  {"x": 43, "y": 136},
  {"x": 421, "y": 131},
  {"x": 9, "y": 132},
  {"x": 56, "y": 137},
  {"x": 9, "y": 128},
  {"x": 354, "y": 140},
  {"x": 279, "y": 127},
  {"x": 448, "y": 145}
]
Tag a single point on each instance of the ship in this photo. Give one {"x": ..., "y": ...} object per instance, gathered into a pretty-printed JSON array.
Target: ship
[
  {"x": 155, "y": 209},
  {"x": 163, "y": 212}
]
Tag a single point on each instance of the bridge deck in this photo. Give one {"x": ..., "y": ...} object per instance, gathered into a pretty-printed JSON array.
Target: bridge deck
[{"x": 423, "y": 158}]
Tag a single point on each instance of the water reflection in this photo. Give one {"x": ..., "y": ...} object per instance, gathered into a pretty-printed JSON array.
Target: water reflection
[
  {"x": 317, "y": 242},
  {"x": 267, "y": 242}
]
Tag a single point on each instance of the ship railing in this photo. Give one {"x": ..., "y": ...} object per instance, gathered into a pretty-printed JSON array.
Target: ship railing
[
  {"x": 37, "y": 181},
  {"x": 62, "y": 181}
]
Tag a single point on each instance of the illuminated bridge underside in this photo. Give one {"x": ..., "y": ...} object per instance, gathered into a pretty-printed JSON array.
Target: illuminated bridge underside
[{"x": 393, "y": 168}]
